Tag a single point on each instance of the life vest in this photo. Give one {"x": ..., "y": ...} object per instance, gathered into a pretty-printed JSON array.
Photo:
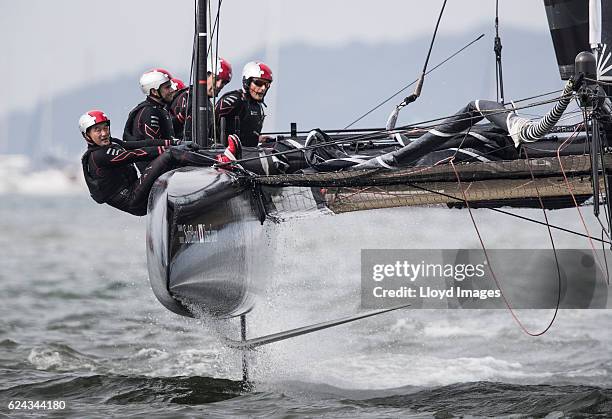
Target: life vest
[
  {"x": 94, "y": 185},
  {"x": 250, "y": 115},
  {"x": 112, "y": 180},
  {"x": 166, "y": 130}
]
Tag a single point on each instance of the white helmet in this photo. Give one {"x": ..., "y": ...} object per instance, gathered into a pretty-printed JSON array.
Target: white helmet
[
  {"x": 256, "y": 70},
  {"x": 153, "y": 79},
  {"x": 91, "y": 118}
]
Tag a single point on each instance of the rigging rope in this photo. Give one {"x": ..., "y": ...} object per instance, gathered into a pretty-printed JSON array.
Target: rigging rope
[
  {"x": 571, "y": 192},
  {"x": 605, "y": 83},
  {"x": 521, "y": 217},
  {"x": 214, "y": 28},
  {"x": 214, "y": 54},
  {"x": 417, "y": 124},
  {"x": 214, "y": 31},
  {"x": 606, "y": 188},
  {"x": 193, "y": 61},
  {"x": 497, "y": 48},
  {"x": 415, "y": 81},
  {"x": 212, "y": 60},
  {"x": 497, "y": 283},
  {"x": 368, "y": 136}
]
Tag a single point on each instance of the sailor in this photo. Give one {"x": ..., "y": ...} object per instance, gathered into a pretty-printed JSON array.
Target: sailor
[
  {"x": 243, "y": 110},
  {"x": 180, "y": 107},
  {"x": 150, "y": 120},
  {"x": 460, "y": 139},
  {"x": 179, "y": 86},
  {"x": 181, "y": 94},
  {"x": 108, "y": 163}
]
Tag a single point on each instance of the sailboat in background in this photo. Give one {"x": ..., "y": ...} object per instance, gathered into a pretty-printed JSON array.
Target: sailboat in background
[{"x": 48, "y": 171}]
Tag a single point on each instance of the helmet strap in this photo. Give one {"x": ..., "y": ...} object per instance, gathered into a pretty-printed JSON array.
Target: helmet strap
[
  {"x": 87, "y": 139},
  {"x": 156, "y": 95}
]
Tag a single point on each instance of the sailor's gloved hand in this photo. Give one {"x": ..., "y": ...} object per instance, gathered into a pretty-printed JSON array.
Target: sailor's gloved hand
[
  {"x": 182, "y": 147},
  {"x": 192, "y": 145},
  {"x": 577, "y": 80},
  {"x": 410, "y": 99},
  {"x": 188, "y": 146}
]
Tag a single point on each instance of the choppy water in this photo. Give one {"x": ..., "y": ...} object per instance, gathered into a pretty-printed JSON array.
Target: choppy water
[{"x": 79, "y": 323}]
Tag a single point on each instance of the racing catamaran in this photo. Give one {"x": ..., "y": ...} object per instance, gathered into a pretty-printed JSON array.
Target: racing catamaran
[{"x": 201, "y": 220}]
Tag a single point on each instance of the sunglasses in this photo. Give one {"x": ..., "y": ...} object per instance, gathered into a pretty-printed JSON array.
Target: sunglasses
[{"x": 261, "y": 83}]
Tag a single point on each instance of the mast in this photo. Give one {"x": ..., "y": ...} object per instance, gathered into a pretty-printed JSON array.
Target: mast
[
  {"x": 199, "y": 103},
  {"x": 497, "y": 48}
]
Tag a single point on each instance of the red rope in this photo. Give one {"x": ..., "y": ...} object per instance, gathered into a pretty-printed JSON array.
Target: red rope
[
  {"x": 497, "y": 282},
  {"x": 571, "y": 192}
]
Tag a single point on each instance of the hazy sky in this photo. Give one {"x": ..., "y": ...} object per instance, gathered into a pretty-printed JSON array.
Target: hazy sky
[{"x": 50, "y": 46}]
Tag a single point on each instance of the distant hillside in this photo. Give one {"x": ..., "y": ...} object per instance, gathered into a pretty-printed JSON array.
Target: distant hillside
[{"x": 322, "y": 87}]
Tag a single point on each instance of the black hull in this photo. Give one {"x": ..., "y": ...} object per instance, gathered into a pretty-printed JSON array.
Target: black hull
[{"x": 202, "y": 237}]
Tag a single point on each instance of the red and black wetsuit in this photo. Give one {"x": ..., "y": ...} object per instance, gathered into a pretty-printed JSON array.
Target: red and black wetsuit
[
  {"x": 180, "y": 112},
  {"x": 112, "y": 178},
  {"x": 250, "y": 115},
  {"x": 149, "y": 120}
]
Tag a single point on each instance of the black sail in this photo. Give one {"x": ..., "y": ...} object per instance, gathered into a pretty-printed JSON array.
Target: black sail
[
  {"x": 571, "y": 30},
  {"x": 568, "y": 21}
]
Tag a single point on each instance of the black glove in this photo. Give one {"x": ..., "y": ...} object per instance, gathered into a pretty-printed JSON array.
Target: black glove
[
  {"x": 187, "y": 145},
  {"x": 193, "y": 145},
  {"x": 410, "y": 99},
  {"x": 182, "y": 147},
  {"x": 577, "y": 81}
]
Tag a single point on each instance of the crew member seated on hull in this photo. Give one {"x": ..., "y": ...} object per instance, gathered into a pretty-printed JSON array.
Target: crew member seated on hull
[
  {"x": 108, "y": 163},
  {"x": 243, "y": 110},
  {"x": 180, "y": 107},
  {"x": 459, "y": 138},
  {"x": 150, "y": 120}
]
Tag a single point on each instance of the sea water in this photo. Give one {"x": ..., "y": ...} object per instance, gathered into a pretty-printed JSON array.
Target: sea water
[{"x": 79, "y": 324}]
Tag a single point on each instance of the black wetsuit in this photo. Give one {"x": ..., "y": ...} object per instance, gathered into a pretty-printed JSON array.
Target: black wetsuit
[
  {"x": 149, "y": 120},
  {"x": 250, "y": 114},
  {"x": 112, "y": 178},
  {"x": 180, "y": 112}
]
